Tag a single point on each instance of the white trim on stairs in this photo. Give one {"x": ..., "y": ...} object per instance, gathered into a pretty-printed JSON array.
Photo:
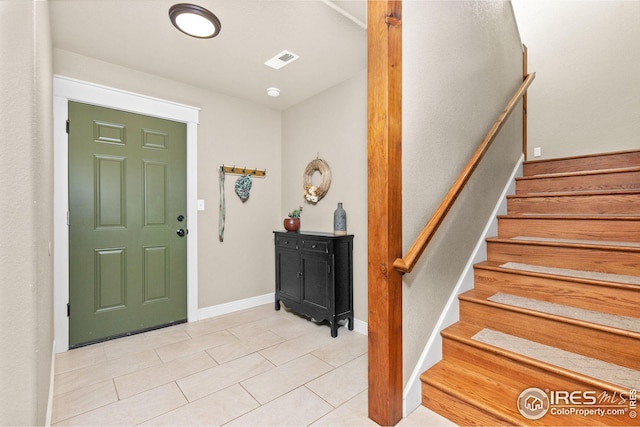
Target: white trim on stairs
[{"x": 432, "y": 353}]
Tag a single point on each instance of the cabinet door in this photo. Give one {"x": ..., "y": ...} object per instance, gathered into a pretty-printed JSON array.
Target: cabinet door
[
  {"x": 316, "y": 280},
  {"x": 287, "y": 274}
]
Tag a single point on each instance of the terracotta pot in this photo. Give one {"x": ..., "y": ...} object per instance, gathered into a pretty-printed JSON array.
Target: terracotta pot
[{"x": 292, "y": 224}]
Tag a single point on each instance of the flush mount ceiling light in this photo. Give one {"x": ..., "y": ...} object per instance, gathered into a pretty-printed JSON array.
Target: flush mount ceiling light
[
  {"x": 273, "y": 91},
  {"x": 195, "y": 21}
]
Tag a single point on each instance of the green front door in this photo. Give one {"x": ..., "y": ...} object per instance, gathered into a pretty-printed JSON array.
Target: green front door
[{"x": 127, "y": 223}]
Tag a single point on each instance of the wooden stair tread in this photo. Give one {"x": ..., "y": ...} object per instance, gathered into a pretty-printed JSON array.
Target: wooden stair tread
[
  {"x": 611, "y": 323},
  {"x": 607, "y": 202},
  {"x": 615, "y": 280},
  {"x": 535, "y": 355},
  {"x": 560, "y": 217},
  {"x": 579, "y": 173},
  {"x": 574, "y": 243},
  {"x": 582, "y": 162},
  {"x": 582, "y": 156},
  {"x": 578, "y": 241},
  {"x": 492, "y": 394},
  {"x": 580, "y": 181},
  {"x": 497, "y": 398},
  {"x": 620, "y": 228},
  {"x": 623, "y": 323},
  {"x": 612, "y": 192},
  {"x": 608, "y": 343},
  {"x": 575, "y": 365}
]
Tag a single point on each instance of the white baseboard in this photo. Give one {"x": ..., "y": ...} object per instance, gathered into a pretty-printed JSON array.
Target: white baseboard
[
  {"x": 233, "y": 306},
  {"x": 243, "y": 304},
  {"x": 432, "y": 353},
  {"x": 361, "y": 327}
]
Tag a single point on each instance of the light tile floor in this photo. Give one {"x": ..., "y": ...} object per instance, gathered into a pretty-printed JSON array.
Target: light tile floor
[{"x": 257, "y": 367}]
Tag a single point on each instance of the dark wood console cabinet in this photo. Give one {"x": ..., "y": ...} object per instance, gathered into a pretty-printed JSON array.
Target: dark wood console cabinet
[{"x": 314, "y": 275}]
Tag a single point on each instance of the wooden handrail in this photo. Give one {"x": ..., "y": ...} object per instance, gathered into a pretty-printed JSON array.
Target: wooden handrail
[
  {"x": 406, "y": 264},
  {"x": 525, "y": 74}
]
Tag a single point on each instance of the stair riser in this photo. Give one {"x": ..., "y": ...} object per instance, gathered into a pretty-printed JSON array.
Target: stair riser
[
  {"x": 613, "y": 261},
  {"x": 456, "y": 410},
  {"x": 588, "y": 204},
  {"x": 491, "y": 396},
  {"x": 598, "y": 344},
  {"x": 622, "y": 301},
  {"x": 614, "y": 230},
  {"x": 608, "y": 161},
  {"x": 605, "y": 181}
]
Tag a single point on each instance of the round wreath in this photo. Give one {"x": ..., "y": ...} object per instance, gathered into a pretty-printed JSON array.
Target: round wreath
[{"x": 312, "y": 193}]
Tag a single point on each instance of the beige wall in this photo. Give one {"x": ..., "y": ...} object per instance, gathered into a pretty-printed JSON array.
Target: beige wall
[
  {"x": 231, "y": 131},
  {"x": 461, "y": 64},
  {"x": 332, "y": 125},
  {"x": 586, "y": 95},
  {"x": 26, "y": 340}
]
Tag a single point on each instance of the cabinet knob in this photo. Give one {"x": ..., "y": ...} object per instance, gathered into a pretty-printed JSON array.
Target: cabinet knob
[{"x": 314, "y": 246}]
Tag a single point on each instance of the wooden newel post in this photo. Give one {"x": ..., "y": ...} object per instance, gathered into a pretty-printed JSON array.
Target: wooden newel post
[{"x": 385, "y": 210}]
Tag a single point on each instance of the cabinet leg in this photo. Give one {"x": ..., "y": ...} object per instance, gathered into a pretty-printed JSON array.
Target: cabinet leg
[
  {"x": 334, "y": 329},
  {"x": 351, "y": 323},
  {"x": 277, "y": 305}
]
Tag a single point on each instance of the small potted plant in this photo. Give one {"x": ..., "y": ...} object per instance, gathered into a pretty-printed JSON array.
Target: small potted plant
[{"x": 292, "y": 222}]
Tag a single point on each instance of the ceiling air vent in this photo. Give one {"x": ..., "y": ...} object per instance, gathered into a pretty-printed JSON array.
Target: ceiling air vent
[{"x": 280, "y": 60}]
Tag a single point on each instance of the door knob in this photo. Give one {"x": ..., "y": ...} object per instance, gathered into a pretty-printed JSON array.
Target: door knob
[
  {"x": 180, "y": 218},
  {"x": 180, "y": 232}
]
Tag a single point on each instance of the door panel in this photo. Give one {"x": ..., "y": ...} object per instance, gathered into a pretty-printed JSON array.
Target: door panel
[
  {"x": 155, "y": 194},
  {"x": 110, "y": 192},
  {"x": 127, "y": 186},
  {"x": 315, "y": 280},
  {"x": 288, "y": 273},
  {"x": 111, "y": 283}
]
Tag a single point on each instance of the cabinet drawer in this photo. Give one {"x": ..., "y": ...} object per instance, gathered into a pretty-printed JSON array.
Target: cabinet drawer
[
  {"x": 287, "y": 242},
  {"x": 315, "y": 245}
]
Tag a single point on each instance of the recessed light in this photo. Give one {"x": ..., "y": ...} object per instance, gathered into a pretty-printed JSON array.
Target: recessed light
[
  {"x": 273, "y": 91},
  {"x": 194, "y": 20}
]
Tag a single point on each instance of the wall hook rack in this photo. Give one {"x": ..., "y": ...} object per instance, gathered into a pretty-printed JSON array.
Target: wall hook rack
[{"x": 244, "y": 171}]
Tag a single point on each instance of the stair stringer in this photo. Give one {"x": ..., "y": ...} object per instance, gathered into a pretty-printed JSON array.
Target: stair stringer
[{"x": 432, "y": 353}]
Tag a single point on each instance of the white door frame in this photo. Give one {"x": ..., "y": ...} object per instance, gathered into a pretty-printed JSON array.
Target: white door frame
[{"x": 65, "y": 90}]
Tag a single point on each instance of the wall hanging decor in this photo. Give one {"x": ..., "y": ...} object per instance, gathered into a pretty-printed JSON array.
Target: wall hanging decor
[
  {"x": 262, "y": 173},
  {"x": 242, "y": 187},
  {"x": 222, "y": 205},
  {"x": 315, "y": 193}
]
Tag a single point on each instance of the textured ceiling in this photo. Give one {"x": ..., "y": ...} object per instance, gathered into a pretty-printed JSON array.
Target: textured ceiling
[{"x": 138, "y": 34}]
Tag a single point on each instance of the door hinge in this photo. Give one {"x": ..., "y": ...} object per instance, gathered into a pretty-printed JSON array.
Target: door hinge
[
  {"x": 68, "y": 310},
  {"x": 67, "y": 126}
]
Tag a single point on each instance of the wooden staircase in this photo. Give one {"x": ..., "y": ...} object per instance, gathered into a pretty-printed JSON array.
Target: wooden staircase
[{"x": 556, "y": 306}]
